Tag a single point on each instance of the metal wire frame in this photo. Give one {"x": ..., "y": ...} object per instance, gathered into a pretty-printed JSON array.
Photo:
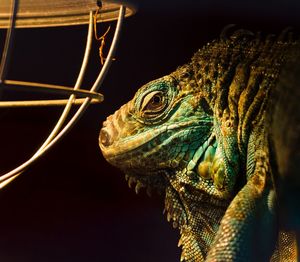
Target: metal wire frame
[
  {"x": 57, "y": 132},
  {"x": 8, "y": 40},
  {"x": 13, "y": 84}
]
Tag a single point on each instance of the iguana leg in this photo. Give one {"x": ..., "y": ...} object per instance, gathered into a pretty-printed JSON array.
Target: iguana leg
[{"x": 246, "y": 232}]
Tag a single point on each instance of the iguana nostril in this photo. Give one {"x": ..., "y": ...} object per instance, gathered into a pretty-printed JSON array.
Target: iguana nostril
[{"x": 105, "y": 138}]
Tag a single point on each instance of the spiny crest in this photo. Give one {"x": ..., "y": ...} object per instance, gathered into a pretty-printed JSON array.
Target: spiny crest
[
  {"x": 185, "y": 78},
  {"x": 217, "y": 61}
]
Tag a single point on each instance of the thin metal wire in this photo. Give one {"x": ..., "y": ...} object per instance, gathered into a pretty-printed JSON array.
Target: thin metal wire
[
  {"x": 44, "y": 103},
  {"x": 52, "y": 89},
  {"x": 77, "y": 84},
  {"x": 6, "y": 55},
  {"x": 8, "y": 41},
  {"x": 5, "y": 179},
  {"x": 68, "y": 106}
]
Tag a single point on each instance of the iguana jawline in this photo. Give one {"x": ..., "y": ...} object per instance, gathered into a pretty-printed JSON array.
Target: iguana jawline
[{"x": 128, "y": 145}]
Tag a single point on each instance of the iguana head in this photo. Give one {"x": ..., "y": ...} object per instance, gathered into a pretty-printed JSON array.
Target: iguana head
[
  {"x": 159, "y": 130},
  {"x": 165, "y": 138}
]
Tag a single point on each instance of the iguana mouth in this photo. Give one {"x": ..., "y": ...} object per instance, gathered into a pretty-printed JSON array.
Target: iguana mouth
[{"x": 111, "y": 146}]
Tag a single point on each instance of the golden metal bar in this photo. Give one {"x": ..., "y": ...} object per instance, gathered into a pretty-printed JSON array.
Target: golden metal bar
[
  {"x": 5, "y": 59},
  {"x": 7, "y": 181},
  {"x": 38, "y": 13},
  {"x": 78, "y": 113},
  {"x": 39, "y": 103},
  {"x": 53, "y": 89},
  {"x": 69, "y": 103}
]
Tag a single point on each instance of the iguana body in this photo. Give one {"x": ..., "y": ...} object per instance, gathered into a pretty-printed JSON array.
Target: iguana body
[{"x": 202, "y": 135}]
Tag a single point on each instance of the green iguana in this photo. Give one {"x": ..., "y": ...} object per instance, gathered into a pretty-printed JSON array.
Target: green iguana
[{"x": 208, "y": 136}]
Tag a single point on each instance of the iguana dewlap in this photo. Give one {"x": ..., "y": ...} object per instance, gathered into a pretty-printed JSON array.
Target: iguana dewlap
[{"x": 204, "y": 136}]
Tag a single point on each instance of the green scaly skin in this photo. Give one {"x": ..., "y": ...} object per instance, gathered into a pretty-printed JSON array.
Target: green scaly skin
[{"x": 200, "y": 135}]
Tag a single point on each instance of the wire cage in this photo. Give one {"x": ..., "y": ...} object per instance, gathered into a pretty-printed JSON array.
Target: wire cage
[{"x": 35, "y": 13}]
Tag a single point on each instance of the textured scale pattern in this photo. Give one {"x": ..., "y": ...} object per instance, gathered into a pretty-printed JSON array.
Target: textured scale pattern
[{"x": 204, "y": 136}]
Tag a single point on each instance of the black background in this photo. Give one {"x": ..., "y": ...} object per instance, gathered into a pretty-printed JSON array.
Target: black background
[{"x": 71, "y": 205}]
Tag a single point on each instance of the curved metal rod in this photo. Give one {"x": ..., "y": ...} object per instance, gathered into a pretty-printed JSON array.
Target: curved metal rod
[
  {"x": 64, "y": 114},
  {"x": 77, "y": 84},
  {"x": 8, "y": 41},
  {"x": 44, "y": 103},
  {"x": 52, "y": 89},
  {"x": 82, "y": 108},
  {"x": 7, "y": 50}
]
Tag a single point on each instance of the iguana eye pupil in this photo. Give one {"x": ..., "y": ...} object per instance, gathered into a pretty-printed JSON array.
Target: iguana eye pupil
[{"x": 157, "y": 99}]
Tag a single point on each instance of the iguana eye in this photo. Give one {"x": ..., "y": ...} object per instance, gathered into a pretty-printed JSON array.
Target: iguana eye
[{"x": 153, "y": 103}]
